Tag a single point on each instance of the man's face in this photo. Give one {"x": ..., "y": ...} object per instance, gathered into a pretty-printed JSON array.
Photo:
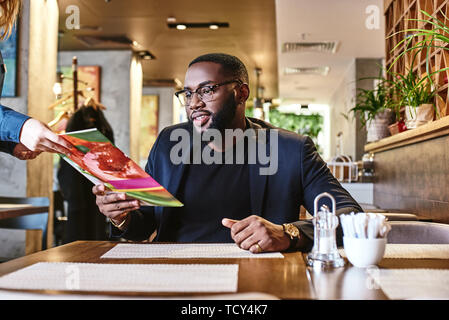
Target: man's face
[{"x": 219, "y": 113}]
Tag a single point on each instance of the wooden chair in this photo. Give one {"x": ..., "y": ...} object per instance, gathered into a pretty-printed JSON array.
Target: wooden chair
[
  {"x": 418, "y": 232},
  {"x": 28, "y": 222}
]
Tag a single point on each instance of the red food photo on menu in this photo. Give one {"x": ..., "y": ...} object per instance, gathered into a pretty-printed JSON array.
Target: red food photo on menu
[{"x": 104, "y": 160}]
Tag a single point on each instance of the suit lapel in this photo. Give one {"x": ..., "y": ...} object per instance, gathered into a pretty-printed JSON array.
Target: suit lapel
[{"x": 174, "y": 181}]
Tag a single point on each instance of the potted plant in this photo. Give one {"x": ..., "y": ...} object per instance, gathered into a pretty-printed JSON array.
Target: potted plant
[
  {"x": 374, "y": 108},
  {"x": 417, "y": 95},
  {"x": 422, "y": 109}
]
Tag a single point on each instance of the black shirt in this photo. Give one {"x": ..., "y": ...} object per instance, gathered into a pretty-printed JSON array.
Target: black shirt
[{"x": 199, "y": 220}]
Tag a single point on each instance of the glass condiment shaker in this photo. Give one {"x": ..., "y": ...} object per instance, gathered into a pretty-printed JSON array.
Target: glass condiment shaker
[{"x": 325, "y": 253}]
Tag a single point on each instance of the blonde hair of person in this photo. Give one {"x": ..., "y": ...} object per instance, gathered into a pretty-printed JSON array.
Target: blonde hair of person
[{"x": 9, "y": 9}]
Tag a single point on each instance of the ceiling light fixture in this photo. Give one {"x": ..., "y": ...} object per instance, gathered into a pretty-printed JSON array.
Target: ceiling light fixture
[
  {"x": 198, "y": 25},
  {"x": 146, "y": 55},
  {"x": 322, "y": 71}
]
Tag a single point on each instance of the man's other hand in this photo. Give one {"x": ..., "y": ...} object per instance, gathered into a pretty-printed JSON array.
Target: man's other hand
[
  {"x": 114, "y": 205},
  {"x": 257, "y": 235}
]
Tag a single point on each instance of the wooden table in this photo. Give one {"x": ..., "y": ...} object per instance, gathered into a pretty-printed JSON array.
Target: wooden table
[
  {"x": 284, "y": 278},
  {"x": 20, "y": 210},
  {"x": 287, "y": 278}
]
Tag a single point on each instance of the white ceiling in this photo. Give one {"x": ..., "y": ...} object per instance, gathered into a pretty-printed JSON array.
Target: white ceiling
[
  {"x": 258, "y": 28},
  {"x": 251, "y": 35},
  {"x": 324, "y": 20}
]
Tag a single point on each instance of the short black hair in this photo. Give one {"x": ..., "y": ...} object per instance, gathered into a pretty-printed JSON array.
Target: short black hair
[{"x": 231, "y": 64}]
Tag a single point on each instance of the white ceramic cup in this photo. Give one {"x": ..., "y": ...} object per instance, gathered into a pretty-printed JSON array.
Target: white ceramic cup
[{"x": 363, "y": 253}]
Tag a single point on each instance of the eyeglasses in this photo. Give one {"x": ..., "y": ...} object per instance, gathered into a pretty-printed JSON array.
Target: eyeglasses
[{"x": 205, "y": 93}]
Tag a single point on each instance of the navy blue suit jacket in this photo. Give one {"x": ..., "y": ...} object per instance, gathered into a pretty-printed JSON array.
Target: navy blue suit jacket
[{"x": 301, "y": 176}]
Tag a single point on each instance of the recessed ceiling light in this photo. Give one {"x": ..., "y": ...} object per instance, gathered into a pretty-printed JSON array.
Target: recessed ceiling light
[
  {"x": 171, "y": 19},
  {"x": 146, "y": 55},
  {"x": 198, "y": 25},
  {"x": 323, "y": 71}
]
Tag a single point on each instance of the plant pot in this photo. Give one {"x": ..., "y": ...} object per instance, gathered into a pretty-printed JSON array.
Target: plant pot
[
  {"x": 377, "y": 128},
  {"x": 415, "y": 117},
  {"x": 397, "y": 127}
]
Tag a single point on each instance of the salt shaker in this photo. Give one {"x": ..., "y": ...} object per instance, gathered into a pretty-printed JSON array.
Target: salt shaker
[{"x": 325, "y": 253}]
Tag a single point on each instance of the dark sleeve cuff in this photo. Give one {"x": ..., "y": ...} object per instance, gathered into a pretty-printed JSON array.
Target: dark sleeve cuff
[
  {"x": 305, "y": 234},
  {"x": 7, "y": 147},
  {"x": 139, "y": 228}
]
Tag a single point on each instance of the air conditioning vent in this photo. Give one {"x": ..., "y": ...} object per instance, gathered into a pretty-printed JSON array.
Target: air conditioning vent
[
  {"x": 320, "y": 71},
  {"x": 323, "y": 47}
]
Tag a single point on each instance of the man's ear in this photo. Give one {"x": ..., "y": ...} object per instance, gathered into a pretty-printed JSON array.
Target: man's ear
[{"x": 243, "y": 93}]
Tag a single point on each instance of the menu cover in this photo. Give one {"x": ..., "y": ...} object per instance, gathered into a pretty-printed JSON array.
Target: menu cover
[{"x": 101, "y": 162}]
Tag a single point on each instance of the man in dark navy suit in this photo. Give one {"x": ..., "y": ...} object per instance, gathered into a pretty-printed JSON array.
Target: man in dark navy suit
[{"x": 252, "y": 202}]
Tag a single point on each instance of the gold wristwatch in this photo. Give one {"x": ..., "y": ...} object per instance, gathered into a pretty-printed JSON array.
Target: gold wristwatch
[
  {"x": 293, "y": 232},
  {"x": 118, "y": 226}
]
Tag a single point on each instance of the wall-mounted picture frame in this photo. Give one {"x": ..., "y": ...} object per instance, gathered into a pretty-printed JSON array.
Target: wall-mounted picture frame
[{"x": 88, "y": 77}]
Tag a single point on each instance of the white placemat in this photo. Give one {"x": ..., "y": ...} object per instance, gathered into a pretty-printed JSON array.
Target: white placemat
[
  {"x": 21, "y": 295},
  {"x": 191, "y": 250},
  {"x": 414, "y": 251},
  {"x": 414, "y": 283},
  {"x": 124, "y": 277}
]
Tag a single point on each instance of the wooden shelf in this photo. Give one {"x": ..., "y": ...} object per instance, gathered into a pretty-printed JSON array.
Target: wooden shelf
[{"x": 428, "y": 131}]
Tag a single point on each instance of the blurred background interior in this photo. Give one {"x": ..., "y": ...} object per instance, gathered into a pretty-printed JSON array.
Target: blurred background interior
[{"x": 311, "y": 68}]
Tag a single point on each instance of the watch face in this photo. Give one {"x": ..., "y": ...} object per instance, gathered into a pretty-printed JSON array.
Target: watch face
[{"x": 292, "y": 230}]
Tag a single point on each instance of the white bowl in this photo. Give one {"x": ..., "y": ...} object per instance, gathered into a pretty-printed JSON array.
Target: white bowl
[{"x": 363, "y": 253}]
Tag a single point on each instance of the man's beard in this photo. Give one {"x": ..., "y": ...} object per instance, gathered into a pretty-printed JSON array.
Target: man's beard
[{"x": 223, "y": 119}]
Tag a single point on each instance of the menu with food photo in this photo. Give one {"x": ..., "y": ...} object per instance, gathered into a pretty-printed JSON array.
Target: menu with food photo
[{"x": 100, "y": 161}]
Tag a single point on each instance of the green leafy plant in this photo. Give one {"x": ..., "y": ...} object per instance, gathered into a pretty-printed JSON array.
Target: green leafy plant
[
  {"x": 412, "y": 91},
  {"x": 372, "y": 102},
  {"x": 436, "y": 37},
  {"x": 310, "y": 125}
]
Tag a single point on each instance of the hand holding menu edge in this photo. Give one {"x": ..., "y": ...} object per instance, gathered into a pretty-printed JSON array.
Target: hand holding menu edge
[
  {"x": 114, "y": 205},
  {"x": 37, "y": 137}
]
